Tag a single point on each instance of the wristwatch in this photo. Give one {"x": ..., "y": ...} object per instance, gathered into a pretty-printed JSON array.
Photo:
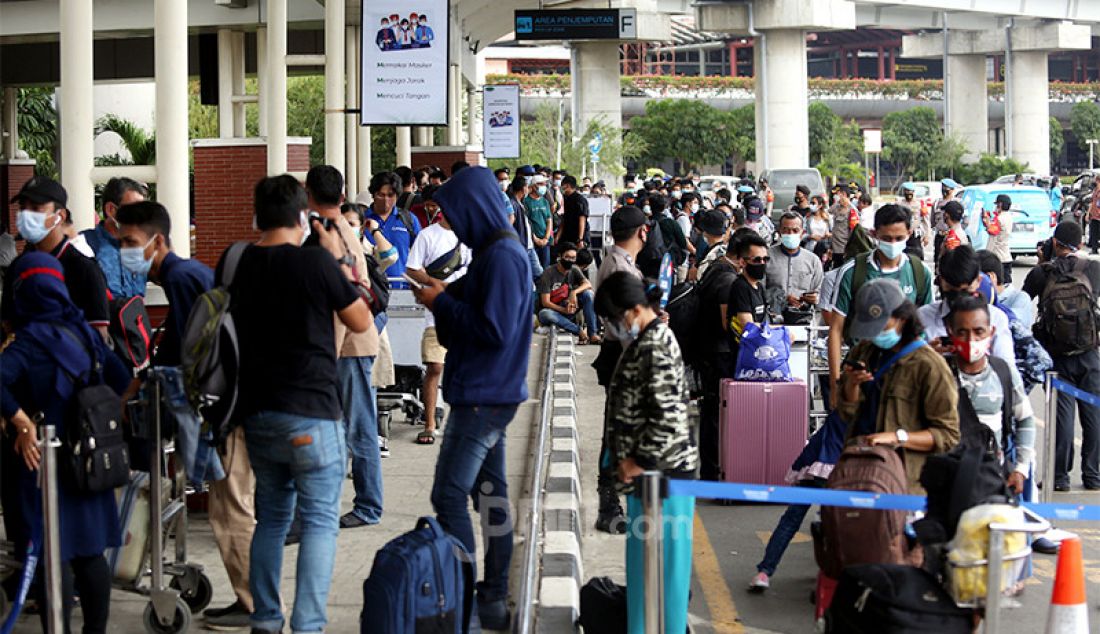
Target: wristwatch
[{"x": 903, "y": 436}]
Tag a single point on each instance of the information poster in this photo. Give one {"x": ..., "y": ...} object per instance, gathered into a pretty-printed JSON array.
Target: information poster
[
  {"x": 500, "y": 105},
  {"x": 404, "y": 62}
]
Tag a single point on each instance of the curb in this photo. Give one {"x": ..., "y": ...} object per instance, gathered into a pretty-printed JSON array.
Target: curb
[{"x": 559, "y": 603}]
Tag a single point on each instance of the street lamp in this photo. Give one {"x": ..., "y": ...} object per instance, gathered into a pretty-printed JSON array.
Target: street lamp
[{"x": 1092, "y": 143}]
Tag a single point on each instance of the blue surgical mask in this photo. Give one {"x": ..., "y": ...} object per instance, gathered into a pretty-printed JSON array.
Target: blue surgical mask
[
  {"x": 891, "y": 250},
  {"x": 32, "y": 225},
  {"x": 791, "y": 240},
  {"x": 542, "y": 190},
  {"x": 133, "y": 259},
  {"x": 621, "y": 332},
  {"x": 887, "y": 339}
]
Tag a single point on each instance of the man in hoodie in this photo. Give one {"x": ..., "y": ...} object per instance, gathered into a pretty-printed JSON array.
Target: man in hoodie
[{"x": 484, "y": 322}]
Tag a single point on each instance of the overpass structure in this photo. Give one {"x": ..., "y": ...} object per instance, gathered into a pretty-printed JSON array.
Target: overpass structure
[{"x": 72, "y": 43}]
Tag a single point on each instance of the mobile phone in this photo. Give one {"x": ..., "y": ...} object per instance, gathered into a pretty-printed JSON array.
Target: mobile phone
[
  {"x": 326, "y": 223},
  {"x": 946, "y": 342},
  {"x": 858, "y": 366},
  {"x": 411, "y": 281}
]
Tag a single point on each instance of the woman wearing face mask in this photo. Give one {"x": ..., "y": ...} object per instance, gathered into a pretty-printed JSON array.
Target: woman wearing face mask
[
  {"x": 895, "y": 389},
  {"x": 819, "y": 225},
  {"x": 648, "y": 429}
]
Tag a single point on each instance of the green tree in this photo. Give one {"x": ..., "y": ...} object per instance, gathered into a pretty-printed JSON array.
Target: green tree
[
  {"x": 823, "y": 125},
  {"x": 987, "y": 169},
  {"x": 913, "y": 141},
  {"x": 1084, "y": 120},
  {"x": 693, "y": 132},
  {"x": 1057, "y": 140},
  {"x": 742, "y": 123},
  {"x": 37, "y": 122},
  {"x": 138, "y": 143}
]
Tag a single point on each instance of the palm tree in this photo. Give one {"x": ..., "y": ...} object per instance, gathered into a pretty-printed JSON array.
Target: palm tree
[{"x": 140, "y": 144}]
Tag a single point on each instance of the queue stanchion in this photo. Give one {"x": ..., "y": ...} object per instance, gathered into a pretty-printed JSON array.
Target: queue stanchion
[
  {"x": 1049, "y": 435},
  {"x": 653, "y": 539},
  {"x": 51, "y": 527}
]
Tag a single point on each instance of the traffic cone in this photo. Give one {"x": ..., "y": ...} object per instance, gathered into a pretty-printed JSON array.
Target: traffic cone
[{"x": 1068, "y": 611}]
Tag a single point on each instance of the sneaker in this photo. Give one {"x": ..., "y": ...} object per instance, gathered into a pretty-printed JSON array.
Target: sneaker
[
  {"x": 611, "y": 521},
  {"x": 759, "y": 583},
  {"x": 234, "y": 617},
  {"x": 384, "y": 447},
  {"x": 494, "y": 615}
]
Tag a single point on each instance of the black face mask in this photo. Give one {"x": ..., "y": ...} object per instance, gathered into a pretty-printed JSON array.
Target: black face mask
[
  {"x": 565, "y": 264},
  {"x": 756, "y": 271}
]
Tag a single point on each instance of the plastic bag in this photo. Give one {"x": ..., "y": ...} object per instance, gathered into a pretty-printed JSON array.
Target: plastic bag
[
  {"x": 971, "y": 544},
  {"x": 764, "y": 354}
]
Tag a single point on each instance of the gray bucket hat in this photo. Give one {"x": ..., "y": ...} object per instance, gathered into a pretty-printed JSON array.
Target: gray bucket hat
[{"x": 875, "y": 302}]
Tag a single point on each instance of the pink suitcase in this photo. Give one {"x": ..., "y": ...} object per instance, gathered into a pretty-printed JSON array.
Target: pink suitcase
[{"x": 762, "y": 429}]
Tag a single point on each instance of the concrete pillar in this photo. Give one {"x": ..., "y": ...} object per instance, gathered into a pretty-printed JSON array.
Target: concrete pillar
[
  {"x": 9, "y": 123},
  {"x": 404, "y": 145},
  {"x": 170, "y": 71},
  {"x": 1029, "y": 125},
  {"x": 261, "y": 79},
  {"x": 77, "y": 116},
  {"x": 225, "y": 84},
  {"x": 595, "y": 71},
  {"x": 967, "y": 101},
  {"x": 276, "y": 87},
  {"x": 362, "y": 132},
  {"x": 423, "y": 136},
  {"x": 240, "y": 128},
  {"x": 782, "y": 92},
  {"x": 334, "y": 85},
  {"x": 473, "y": 121},
  {"x": 454, "y": 117},
  {"x": 351, "y": 100}
]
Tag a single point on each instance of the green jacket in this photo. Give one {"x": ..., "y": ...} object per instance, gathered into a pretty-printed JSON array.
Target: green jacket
[{"x": 919, "y": 392}]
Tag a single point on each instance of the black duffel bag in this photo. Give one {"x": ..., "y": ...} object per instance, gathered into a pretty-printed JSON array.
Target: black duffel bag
[
  {"x": 894, "y": 599},
  {"x": 603, "y": 607}
]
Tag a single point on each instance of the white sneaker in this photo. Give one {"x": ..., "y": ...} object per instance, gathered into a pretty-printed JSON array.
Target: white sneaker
[
  {"x": 384, "y": 447},
  {"x": 759, "y": 583}
]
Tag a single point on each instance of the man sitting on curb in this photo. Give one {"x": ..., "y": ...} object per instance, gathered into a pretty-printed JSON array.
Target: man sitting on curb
[{"x": 563, "y": 290}]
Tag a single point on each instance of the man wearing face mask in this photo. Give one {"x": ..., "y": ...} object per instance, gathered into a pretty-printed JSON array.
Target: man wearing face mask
[
  {"x": 992, "y": 388},
  {"x": 747, "y": 302},
  {"x": 41, "y": 222},
  {"x": 539, "y": 214},
  {"x": 795, "y": 270},
  {"x": 959, "y": 277},
  {"x": 104, "y": 238},
  {"x": 564, "y": 294},
  {"x": 574, "y": 221},
  {"x": 939, "y": 223},
  {"x": 801, "y": 201},
  {"x": 888, "y": 260},
  {"x": 843, "y": 212},
  {"x": 397, "y": 225}
]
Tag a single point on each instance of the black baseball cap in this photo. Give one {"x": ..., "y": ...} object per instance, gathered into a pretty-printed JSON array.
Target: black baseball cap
[
  {"x": 40, "y": 189},
  {"x": 1004, "y": 200},
  {"x": 713, "y": 222},
  {"x": 627, "y": 217},
  {"x": 802, "y": 189},
  {"x": 1068, "y": 234}
]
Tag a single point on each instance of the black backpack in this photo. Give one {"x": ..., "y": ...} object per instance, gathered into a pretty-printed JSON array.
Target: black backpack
[
  {"x": 406, "y": 218},
  {"x": 378, "y": 294},
  {"x": 649, "y": 258},
  {"x": 684, "y": 317},
  {"x": 131, "y": 331},
  {"x": 1067, "y": 321},
  {"x": 893, "y": 599},
  {"x": 603, "y": 607},
  {"x": 95, "y": 455}
]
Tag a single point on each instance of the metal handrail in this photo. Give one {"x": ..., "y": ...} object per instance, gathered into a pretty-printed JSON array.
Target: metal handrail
[{"x": 525, "y": 615}]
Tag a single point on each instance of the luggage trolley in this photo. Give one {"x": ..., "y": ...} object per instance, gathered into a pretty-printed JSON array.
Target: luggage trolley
[
  {"x": 405, "y": 329},
  {"x": 176, "y": 589},
  {"x": 9, "y": 566}
]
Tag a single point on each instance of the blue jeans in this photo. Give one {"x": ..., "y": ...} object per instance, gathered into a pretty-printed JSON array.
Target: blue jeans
[
  {"x": 471, "y": 464},
  {"x": 295, "y": 459},
  {"x": 536, "y": 263},
  {"x": 549, "y": 317},
  {"x": 361, "y": 424},
  {"x": 196, "y": 448},
  {"x": 786, "y": 529},
  {"x": 544, "y": 254}
]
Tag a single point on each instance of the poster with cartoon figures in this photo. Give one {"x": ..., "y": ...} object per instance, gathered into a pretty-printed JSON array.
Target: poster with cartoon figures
[
  {"x": 404, "y": 62},
  {"x": 500, "y": 133}
]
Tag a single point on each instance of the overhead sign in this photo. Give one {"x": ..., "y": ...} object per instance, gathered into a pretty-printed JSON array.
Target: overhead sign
[
  {"x": 500, "y": 123},
  {"x": 577, "y": 24},
  {"x": 872, "y": 141},
  {"x": 404, "y": 62}
]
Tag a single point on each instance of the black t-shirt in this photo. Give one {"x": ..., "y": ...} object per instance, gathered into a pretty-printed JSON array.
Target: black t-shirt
[
  {"x": 714, "y": 289},
  {"x": 744, "y": 298},
  {"x": 283, "y": 304},
  {"x": 1036, "y": 280},
  {"x": 84, "y": 279},
  {"x": 559, "y": 285},
  {"x": 575, "y": 207}
]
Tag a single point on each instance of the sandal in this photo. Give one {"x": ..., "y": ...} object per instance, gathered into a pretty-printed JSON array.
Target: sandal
[{"x": 425, "y": 438}]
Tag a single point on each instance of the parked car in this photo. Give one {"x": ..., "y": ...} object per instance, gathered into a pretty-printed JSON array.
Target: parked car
[
  {"x": 1032, "y": 218},
  {"x": 1030, "y": 179},
  {"x": 783, "y": 183},
  {"x": 709, "y": 185}
]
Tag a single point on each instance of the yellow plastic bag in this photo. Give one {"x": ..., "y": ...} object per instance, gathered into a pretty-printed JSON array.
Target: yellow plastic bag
[{"x": 971, "y": 544}]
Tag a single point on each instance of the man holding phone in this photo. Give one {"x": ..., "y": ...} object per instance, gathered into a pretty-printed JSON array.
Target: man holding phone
[{"x": 795, "y": 270}]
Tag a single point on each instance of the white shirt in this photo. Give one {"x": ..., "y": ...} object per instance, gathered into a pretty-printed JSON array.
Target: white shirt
[
  {"x": 932, "y": 316},
  {"x": 431, "y": 244}
]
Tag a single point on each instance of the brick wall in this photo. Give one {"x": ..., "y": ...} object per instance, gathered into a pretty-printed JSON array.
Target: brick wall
[
  {"x": 12, "y": 177},
  {"x": 225, "y": 175},
  {"x": 443, "y": 157}
]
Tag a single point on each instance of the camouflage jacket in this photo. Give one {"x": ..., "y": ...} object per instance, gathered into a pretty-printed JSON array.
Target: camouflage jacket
[{"x": 647, "y": 410}]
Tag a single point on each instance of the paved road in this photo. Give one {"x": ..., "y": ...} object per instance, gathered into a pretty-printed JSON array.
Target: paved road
[
  {"x": 729, "y": 542},
  {"x": 407, "y": 479}
]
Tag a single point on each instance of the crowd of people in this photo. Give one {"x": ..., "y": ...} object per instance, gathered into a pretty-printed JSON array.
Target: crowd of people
[{"x": 495, "y": 257}]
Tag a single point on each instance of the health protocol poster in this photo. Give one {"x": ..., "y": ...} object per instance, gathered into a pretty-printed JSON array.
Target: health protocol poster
[
  {"x": 404, "y": 62},
  {"x": 500, "y": 132}
]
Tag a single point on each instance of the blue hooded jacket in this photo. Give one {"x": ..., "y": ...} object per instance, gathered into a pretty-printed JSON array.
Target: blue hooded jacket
[{"x": 484, "y": 320}]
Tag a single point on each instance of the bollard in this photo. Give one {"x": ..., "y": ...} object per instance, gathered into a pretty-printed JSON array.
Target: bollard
[
  {"x": 653, "y": 570},
  {"x": 51, "y": 527},
  {"x": 1049, "y": 435},
  {"x": 994, "y": 572}
]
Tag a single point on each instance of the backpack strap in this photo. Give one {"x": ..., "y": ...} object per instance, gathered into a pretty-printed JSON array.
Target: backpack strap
[
  {"x": 232, "y": 259},
  {"x": 859, "y": 274},
  {"x": 1008, "y": 406},
  {"x": 497, "y": 236},
  {"x": 920, "y": 279},
  {"x": 407, "y": 220},
  {"x": 96, "y": 368}
]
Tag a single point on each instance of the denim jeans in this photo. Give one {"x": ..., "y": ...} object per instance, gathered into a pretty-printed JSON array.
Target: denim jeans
[
  {"x": 536, "y": 264},
  {"x": 196, "y": 448},
  {"x": 544, "y": 254},
  {"x": 471, "y": 464},
  {"x": 361, "y": 423},
  {"x": 296, "y": 460},
  {"x": 785, "y": 530},
  {"x": 1083, "y": 371},
  {"x": 549, "y": 317}
]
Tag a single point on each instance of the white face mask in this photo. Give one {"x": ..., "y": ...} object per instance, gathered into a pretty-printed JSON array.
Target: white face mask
[{"x": 303, "y": 220}]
